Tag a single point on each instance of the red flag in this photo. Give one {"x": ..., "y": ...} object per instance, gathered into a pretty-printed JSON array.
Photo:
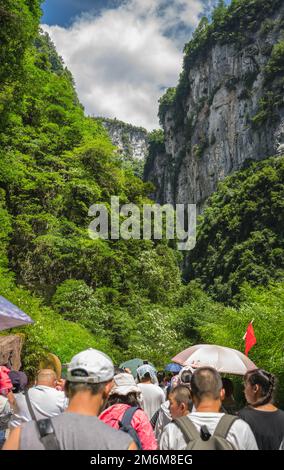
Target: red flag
[{"x": 249, "y": 338}]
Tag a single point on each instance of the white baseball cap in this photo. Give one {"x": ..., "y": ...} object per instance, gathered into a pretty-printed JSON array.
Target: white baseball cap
[
  {"x": 123, "y": 384},
  {"x": 90, "y": 366}
]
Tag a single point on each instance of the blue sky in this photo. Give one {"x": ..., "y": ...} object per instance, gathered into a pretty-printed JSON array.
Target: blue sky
[
  {"x": 123, "y": 53},
  {"x": 63, "y": 12}
]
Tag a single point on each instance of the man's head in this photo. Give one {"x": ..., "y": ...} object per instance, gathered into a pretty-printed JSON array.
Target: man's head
[
  {"x": 89, "y": 378},
  {"x": 161, "y": 377},
  {"x": 146, "y": 374},
  {"x": 185, "y": 376},
  {"x": 19, "y": 381},
  {"x": 206, "y": 386},
  {"x": 228, "y": 386},
  {"x": 180, "y": 401},
  {"x": 46, "y": 377}
]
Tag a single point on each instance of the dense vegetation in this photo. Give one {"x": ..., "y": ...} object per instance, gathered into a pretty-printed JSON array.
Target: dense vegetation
[
  {"x": 54, "y": 164},
  {"x": 240, "y": 236},
  {"x": 124, "y": 297}
]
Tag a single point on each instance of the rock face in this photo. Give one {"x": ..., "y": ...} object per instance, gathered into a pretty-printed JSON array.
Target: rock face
[
  {"x": 232, "y": 112},
  {"x": 132, "y": 141}
]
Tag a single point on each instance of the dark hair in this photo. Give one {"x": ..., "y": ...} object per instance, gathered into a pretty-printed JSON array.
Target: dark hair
[
  {"x": 19, "y": 380},
  {"x": 129, "y": 399},
  {"x": 161, "y": 377},
  {"x": 146, "y": 376},
  {"x": 266, "y": 382},
  {"x": 228, "y": 386},
  {"x": 72, "y": 388},
  {"x": 185, "y": 377},
  {"x": 118, "y": 370},
  {"x": 206, "y": 383},
  {"x": 182, "y": 394}
]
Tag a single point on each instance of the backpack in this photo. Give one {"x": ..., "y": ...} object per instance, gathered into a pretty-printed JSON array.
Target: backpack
[
  {"x": 125, "y": 425},
  {"x": 203, "y": 440},
  {"x": 154, "y": 418}
]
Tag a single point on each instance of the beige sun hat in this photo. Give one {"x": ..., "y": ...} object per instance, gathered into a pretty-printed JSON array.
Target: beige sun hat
[{"x": 123, "y": 384}]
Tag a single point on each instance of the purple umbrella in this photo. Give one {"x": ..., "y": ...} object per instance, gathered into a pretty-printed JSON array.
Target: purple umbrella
[{"x": 11, "y": 316}]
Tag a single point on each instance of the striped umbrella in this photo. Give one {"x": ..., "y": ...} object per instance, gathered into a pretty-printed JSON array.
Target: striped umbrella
[{"x": 11, "y": 316}]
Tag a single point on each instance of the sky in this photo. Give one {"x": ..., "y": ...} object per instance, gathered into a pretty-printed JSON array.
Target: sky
[{"x": 123, "y": 54}]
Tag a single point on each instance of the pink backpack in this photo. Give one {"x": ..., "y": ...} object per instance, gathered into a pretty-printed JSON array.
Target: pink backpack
[{"x": 5, "y": 382}]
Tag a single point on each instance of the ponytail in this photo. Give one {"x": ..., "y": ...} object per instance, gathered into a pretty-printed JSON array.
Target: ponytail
[{"x": 267, "y": 383}]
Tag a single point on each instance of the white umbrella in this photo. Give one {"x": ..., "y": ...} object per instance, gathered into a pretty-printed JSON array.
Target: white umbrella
[
  {"x": 11, "y": 316},
  {"x": 224, "y": 360}
]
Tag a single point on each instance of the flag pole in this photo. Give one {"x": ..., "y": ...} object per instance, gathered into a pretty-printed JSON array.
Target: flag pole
[{"x": 244, "y": 337}]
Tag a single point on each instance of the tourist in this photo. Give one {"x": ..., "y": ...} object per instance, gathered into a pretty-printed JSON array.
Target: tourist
[
  {"x": 152, "y": 395},
  {"x": 124, "y": 397},
  {"x": 88, "y": 383},
  {"x": 43, "y": 398},
  {"x": 207, "y": 394},
  {"x": 264, "y": 418}
]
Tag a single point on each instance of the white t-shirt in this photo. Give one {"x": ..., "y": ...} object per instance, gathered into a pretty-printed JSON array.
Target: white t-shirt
[
  {"x": 152, "y": 398},
  {"x": 240, "y": 434},
  {"x": 4, "y": 406},
  {"x": 5, "y": 411},
  {"x": 164, "y": 419},
  {"x": 46, "y": 402}
]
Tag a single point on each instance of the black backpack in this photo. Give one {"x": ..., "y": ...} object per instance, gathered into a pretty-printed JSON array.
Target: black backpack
[
  {"x": 154, "y": 418},
  {"x": 203, "y": 440},
  {"x": 125, "y": 425}
]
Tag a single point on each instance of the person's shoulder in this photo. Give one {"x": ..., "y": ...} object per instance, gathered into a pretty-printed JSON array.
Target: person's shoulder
[
  {"x": 57, "y": 393},
  {"x": 240, "y": 425},
  {"x": 245, "y": 410},
  {"x": 140, "y": 413},
  {"x": 157, "y": 390},
  {"x": 172, "y": 435},
  {"x": 47, "y": 390},
  {"x": 198, "y": 415},
  {"x": 108, "y": 411},
  {"x": 114, "y": 434},
  {"x": 57, "y": 396},
  {"x": 141, "y": 416},
  {"x": 171, "y": 426},
  {"x": 247, "y": 413},
  {"x": 242, "y": 433},
  {"x": 70, "y": 417},
  {"x": 279, "y": 417}
]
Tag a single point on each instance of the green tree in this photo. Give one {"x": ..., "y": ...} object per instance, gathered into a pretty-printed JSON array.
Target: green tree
[{"x": 240, "y": 236}]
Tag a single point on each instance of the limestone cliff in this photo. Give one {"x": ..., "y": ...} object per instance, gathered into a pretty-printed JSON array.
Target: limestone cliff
[
  {"x": 131, "y": 141},
  {"x": 228, "y": 106}
]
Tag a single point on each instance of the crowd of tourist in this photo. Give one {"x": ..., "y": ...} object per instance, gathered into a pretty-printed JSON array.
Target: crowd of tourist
[{"x": 102, "y": 407}]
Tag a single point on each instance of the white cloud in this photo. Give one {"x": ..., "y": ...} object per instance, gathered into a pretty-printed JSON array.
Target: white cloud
[{"x": 123, "y": 59}]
